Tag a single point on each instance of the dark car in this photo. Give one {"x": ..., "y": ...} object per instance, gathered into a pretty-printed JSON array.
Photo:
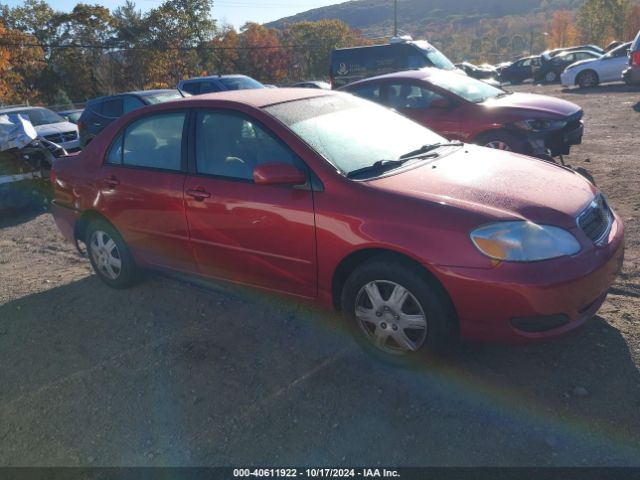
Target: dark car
[
  {"x": 463, "y": 108},
  {"x": 552, "y": 67},
  {"x": 321, "y": 196},
  {"x": 218, "y": 83},
  {"x": 71, "y": 115},
  {"x": 475, "y": 71},
  {"x": 401, "y": 53},
  {"x": 520, "y": 70},
  {"x": 631, "y": 75},
  {"x": 100, "y": 112}
]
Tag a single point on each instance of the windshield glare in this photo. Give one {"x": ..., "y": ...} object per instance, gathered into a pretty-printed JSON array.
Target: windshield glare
[
  {"x": 240, "y": 83},
  {"x": 40, "y": 116},
  {"x": 435, "y": 56},
  {"x": 468, "y": 88},
  {"x": 352, "y": 133}
]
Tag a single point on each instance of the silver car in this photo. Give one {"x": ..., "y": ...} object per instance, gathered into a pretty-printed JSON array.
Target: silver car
[{"x": 49, "y": 125}]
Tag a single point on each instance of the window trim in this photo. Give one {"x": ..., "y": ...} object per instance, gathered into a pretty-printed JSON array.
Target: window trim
[{"x": 123, "y": 131}]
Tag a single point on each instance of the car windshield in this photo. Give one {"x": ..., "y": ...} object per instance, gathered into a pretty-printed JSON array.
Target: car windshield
[
  {"x": 40, "y": 116},
  {"x": 351, "y": 133},
  {"x": 435, "y": 56},
  {"x": 240, "y": 83},
  {"x": 163, "y": 97},
  {"x": 467, "y": 88}
]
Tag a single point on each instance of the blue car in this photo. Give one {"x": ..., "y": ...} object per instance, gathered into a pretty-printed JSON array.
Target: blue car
[{"x": 218, "y": 83}]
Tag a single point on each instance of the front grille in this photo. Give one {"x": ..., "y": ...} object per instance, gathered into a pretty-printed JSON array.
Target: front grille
[
  {"x": 596, "y": 219},
  {"x": 62, "y": 137}
]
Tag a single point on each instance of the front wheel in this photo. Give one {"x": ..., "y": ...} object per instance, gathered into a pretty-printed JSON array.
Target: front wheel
[
  {"x": 394, "y": 312},
  {"x": 501, "y": 140},
  {"x": 587, "y": 79},
  {"x": 109, "y": 255},
  {"x": 550, "y": 77}
]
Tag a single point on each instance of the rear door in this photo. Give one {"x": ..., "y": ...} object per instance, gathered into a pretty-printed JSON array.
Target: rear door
[
  {"x": 141, "y": 182},
  {"x": 260, "y": 235},
  {"x": 612, "y": 65}
]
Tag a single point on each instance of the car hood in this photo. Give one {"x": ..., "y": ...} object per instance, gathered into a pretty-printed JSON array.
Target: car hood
[
  {"x": 53, "y": 128},
  {"x": 498, "y": 185},
  {"x": 534, "y": 103}
]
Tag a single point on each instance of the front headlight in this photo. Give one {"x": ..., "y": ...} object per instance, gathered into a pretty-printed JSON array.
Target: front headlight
[
  {"x": 522, "y": 241},
  {"x": 540, "y": 125}
]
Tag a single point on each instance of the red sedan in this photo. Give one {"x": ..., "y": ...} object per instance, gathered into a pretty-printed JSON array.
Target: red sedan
[
  {"x": 325, "y": 196},
  {"x": 463, "y": 108}
]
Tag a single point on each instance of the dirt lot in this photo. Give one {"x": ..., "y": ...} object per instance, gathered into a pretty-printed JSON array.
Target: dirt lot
[{"x": 169, "y": 373}]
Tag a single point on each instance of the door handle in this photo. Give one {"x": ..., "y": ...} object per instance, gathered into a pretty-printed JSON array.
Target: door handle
[
  {"x": 198, "y": 193},
  {"x": 111, "y": 181}
]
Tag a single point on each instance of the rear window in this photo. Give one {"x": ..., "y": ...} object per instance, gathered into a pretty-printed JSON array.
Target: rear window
[
  {"x": 636, "y": 43},
  {"x": 193, "y": 88},
  {"x": 111, "y": 108},
  {"x": 163, "y": 97}
]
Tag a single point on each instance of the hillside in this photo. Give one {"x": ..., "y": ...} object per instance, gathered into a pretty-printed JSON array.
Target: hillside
[
  {"x": 376, "y": 15},
  {"x": 479, "y": 30}
]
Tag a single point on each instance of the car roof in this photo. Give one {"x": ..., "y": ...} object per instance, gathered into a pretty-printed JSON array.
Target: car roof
[
  {"x": 139, "y": 93},
  {"x": 258, "y": 97},
  {"x": 421, "y": 74},
  {"x": 18, "y": 109},
  {"x": 213, "y": 77}
]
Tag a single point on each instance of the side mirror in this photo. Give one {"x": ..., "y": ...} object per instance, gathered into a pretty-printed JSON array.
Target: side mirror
[{"x": 278, "y": 173}]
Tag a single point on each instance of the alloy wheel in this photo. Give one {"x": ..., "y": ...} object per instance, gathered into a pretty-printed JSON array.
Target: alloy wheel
[
  {"x": 390, "y": 317},
  {"x": 105, "y": 254},
  {"x": 498, "y": 145}
]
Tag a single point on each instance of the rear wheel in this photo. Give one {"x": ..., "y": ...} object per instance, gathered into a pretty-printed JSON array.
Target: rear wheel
[
  {"x": 109, "y": 255},
  {"x": 394, "y": 312},
  {"x": 587, "y": 79},
  {"x": 550, "y": 76}
]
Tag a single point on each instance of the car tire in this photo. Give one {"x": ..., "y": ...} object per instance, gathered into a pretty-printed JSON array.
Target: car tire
[
  {"x": 501, "y": 140},
  {"x": 587, "y": 79},
  {"x": 550, "y": 77},
  {"x": 394, "y": 312},
  {"x": 109, "y": 255}
]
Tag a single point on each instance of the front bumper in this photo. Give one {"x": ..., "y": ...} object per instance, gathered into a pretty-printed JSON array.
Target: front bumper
[
  {"x": 490, "y": 303},
  {"x": 557, "y": 142}
]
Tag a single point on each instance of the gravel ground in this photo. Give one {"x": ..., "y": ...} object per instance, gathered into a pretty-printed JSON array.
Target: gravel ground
[{"x": 172, "y": 373}]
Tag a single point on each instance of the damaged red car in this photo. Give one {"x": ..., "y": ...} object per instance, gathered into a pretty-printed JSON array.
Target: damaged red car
[{"x": 328, "y": 197}]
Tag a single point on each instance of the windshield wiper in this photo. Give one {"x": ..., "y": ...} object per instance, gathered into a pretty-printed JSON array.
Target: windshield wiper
[
  {"x": 428, "y": 148},
  {"x": 420, "y": 153}
]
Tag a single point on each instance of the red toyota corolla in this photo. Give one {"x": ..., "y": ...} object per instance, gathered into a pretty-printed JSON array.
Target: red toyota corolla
[
  {"x": 329, "y": 197},
  {"x": 463, "y": 108}
]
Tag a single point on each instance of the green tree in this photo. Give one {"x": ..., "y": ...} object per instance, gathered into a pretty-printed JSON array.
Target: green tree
[{"x": 599, "y": 21}]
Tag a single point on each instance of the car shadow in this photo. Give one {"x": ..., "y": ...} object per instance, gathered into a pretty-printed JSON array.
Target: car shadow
[
  {"x": 608, "y": 88},
  {"x": 167, "y": 373}
]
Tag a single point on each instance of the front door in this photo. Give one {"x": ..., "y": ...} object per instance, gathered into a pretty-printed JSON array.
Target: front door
[
  {"x": 259, "y": 235},
  {"x": 426, "y": 107}
]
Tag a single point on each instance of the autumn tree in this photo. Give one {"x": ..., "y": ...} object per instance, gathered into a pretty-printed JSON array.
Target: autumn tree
[
  {"x": 561, "y": 29},
  {"x": 261, "y": 55},
  {"x": 600, "y": 21}
]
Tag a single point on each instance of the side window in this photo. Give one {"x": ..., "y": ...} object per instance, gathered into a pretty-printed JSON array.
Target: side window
[
  {"x": 193, "y": 88},
  {"x": 526, "y": 63},
  {"x": 112, "y": 108},
  {"x": 131, "y": 103},
  {"x": 370, "y": 92},
  {"x": 154, "y": 142},
  {"x": 416, "y": 61},
  {"x": 114, "y": 157},
  {"x": 407, "y": 96},
  {"x": 230, "y": 145}
]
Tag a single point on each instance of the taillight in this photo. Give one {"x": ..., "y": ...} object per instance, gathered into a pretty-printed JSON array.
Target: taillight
[{"x": 635, "y": 58}]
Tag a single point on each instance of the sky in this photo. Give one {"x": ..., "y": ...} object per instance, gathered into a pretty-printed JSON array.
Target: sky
[{"x": 233, "y": 12}]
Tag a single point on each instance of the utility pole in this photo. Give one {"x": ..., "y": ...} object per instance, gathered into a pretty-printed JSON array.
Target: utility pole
[{"x": 395, "y": 18}]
